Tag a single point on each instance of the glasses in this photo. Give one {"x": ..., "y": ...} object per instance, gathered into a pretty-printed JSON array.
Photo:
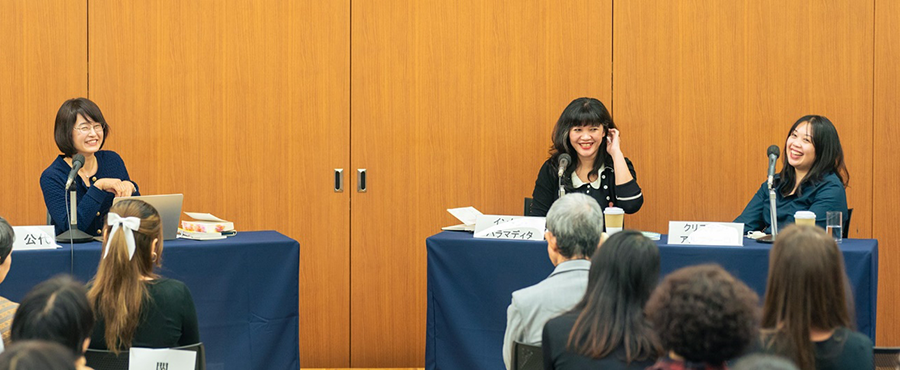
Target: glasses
[{"x": 85, "y": 129}]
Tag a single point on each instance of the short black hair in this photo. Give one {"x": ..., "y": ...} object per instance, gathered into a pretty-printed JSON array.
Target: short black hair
[
  {"x": 66, "y": 118},
  {"x": 37, "y": 355},
  {"x": 704, "y": 314},
  {"x": 7, "y": 237},
  {"x": 56, "y": 310}
]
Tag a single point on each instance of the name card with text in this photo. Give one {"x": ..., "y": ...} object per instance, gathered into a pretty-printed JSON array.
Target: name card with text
[
  {"x": 510, "y": 227},
  {"x": 706, "y": 233},
  {"x": 161, "y": 359},
  {"x": 34, "y": 237}
]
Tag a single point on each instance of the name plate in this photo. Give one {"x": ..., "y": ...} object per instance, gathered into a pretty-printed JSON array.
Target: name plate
[
  {"x": 706, "y": 233},
  {"x": 510, "y": 227},
  {"x": 161, "y": 359},
  {"x": 34, "y": 237}
]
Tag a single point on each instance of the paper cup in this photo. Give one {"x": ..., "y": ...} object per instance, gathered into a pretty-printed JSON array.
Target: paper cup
[
  {"x": 614, "y": 218},
  {"x": 805, "y": 218}
]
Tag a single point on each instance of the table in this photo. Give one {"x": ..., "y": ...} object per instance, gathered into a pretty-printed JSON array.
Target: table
[
  {"x": 470, "y": 283},
  {"x": 245, "y": 289}
]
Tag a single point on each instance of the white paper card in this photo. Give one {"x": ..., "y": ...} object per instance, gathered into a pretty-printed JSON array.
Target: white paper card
[
  {"x": 204, "y": 217},
  {"x": 34, "y": 237},
  {"x": 161, "y": 359},
  {"x": 510, "y": 227},
  {"x": 466, "y": 215},
  {"x": 706, "y": 233}
]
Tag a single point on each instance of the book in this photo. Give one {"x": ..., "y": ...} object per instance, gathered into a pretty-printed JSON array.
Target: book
[{"x": 205, "y": 223}]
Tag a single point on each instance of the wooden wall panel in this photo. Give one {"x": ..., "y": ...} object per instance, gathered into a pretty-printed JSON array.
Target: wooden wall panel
[
  {"x": 886, "y": 163},
  {"x": 452, "y": 104},
  {"x": 243, "y": 107},
  {"x": 702, "y": 88},
  {"x": 44, "y": 62}
]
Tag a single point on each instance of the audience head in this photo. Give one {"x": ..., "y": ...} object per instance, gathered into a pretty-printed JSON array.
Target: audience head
[
  {"x": 37, "y": 355},
  {"x": 117, "y": 291},
  {"x": 764, "y": 362},
  {"x": 56, "y": 310},
  {"x": 574, "y": 226},
  {"x": 806, "y": 290},
  {"x": 624, "y": 271},
  {"x": 7, "y": 237},
  {"x": 704, "y": 314},
  {"x": 825, "y": 151},
  {"x": 67, "y": 118}
]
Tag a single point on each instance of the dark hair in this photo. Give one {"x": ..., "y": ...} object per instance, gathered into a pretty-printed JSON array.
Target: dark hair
[
  {"x": 829, "y": 156},
  {"x": 66, "y": 118},
  {"x": 704, "y": 314},
  {"x": 806, "y": 289},
  {"x": 7, "y": 237},
  {"x": 580, "y": 112},
  {"x": 623, "y": 272},
  {"x": 56, "y": 310},
  {"x": 37, "y": 355},
  {"x": 761, "y": 361}
]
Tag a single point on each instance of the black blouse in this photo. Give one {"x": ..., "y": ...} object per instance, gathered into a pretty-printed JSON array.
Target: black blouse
[{"x": 627, "y": 196}]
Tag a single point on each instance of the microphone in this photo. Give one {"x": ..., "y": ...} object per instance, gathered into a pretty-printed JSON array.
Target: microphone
[
  {"x": 773, "y": 153},
  {"x": 77, "y": 162},
  {"x": 564, "y": 160}
]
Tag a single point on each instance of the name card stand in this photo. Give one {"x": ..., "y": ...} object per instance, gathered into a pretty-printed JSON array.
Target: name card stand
[
  {"x": 510, "y": 227},
  {"x": 706, "y": 233},
  {"x": 34, "y": 237}
]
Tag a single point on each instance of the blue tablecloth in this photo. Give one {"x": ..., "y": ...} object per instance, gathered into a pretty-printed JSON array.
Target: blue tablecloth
[
  {"x": 470, "y": 283},
  {"x": 245, "y": 289}
]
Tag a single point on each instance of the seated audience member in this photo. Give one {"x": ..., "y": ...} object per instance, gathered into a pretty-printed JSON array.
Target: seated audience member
[
  {"x": 703, "y": 316},
  {"x": 607, "y": 329},
  {"x": 764, "y": 362},
  {"x": 134, "y": 306},
  {"x": 7, "y": 308},
  {"x": 575, "y": 225},
  {"x": 806, "y": 315},
  {"x": 58, "y": 311},
  {"x": 37, "y": 355}
]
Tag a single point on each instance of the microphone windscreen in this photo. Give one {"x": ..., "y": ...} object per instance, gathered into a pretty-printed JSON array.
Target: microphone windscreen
[
  {"x": 77, "y": 158},
  {"x": 564, "y": 159},
  {"x": 773, "y": 149}
]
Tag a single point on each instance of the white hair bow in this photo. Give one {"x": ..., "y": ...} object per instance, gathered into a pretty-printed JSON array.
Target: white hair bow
[{"x": 130, "y": 224}]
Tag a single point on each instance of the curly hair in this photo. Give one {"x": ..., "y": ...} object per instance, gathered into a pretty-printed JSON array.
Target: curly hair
[{"x": 704, "y": 314}]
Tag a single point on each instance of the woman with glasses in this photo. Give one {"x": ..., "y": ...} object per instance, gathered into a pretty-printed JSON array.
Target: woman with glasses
[
  {"x": 586, "y": 133},
  {"x": 81, "y": 129}
]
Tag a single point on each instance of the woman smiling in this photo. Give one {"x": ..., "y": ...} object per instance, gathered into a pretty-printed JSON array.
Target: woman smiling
[
  {"x": 586, "y": 132},
  {"x": 813, "y": 177},
  {"x": 81, "y": 129}
]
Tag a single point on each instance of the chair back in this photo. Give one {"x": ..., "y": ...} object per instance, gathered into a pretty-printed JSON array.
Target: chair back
[
  {"x": 887, "y": 358},
  {"x": 528, "y": 202},
  {"x": 845, "y": 233},
  {"x": 99, "y": 359},
  {"x": 527, "y": 357}
]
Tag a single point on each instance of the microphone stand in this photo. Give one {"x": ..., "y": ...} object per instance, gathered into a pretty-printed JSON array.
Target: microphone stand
[
  {"x": 73, "y": 235},
  {"x": 562, "y": 190},
  {"x": 773, "y": 214}
]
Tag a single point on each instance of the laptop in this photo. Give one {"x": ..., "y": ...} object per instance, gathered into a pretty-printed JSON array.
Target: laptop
[{"x": 169, "y": 208}]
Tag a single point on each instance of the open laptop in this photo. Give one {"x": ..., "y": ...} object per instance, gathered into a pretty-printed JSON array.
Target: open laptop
[{"x": 169, "y": 208}]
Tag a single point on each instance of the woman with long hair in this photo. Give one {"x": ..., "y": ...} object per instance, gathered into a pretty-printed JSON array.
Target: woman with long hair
[
  {"x": 587, "y": 134},
  {"x": 807, "y": 315},
  {"x": 607, "y": 329},
  {"x": 813, "y": 177},
  {"x": 134, "y": 306}
]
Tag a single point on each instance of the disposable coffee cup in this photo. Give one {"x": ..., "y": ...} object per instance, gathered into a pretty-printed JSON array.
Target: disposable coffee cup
[
  {"x": 805, "y": 218},
  {"x": 615, "y": 218}
]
